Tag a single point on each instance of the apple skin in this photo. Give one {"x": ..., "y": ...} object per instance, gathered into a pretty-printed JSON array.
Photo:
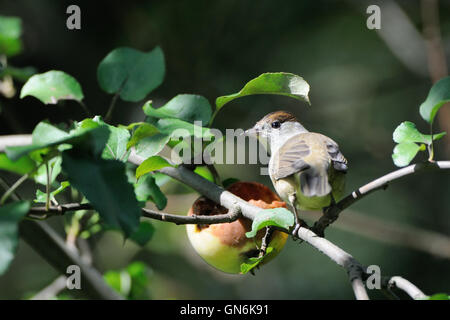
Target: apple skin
[{"x": 225, "y": 246}]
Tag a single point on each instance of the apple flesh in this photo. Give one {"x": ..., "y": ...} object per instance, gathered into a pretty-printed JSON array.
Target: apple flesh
[{"x": 225, "y": 246}]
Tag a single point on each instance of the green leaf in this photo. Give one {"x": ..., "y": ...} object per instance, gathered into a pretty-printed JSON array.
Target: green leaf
[
  {"x": 407, "y": 132},
  {"x": 143, "y": 131},
  {"x": 150, "y": 146},
  {"x": 253, "y": 262},
  {"x": 146, "y": 189},
  {"x": 132, "y": 73},
  {"x": 280, "y": 83},
  {"x": 180, "y": 128},
  {"x": 41, "y": 197},
  {"x": 20, "y": 74},
  {"x": 151, "y": 164},
  {"x": 116, "y": 146},
  {"x": 10, "y": 32},
  {"x": 21, "y": 166},
  {"x": 10, "y": 215},
  {"x": 439, "y": 94},
  {"x": 131, "y": 282},
  {"x": 55, "y": 169},
  {"x": 439, "y": 296},
  {"x": 404, "y": 153},
  {"x": 187, "y": 107},
  {"x": 143, "y": 234},
  {"x": 52, "y": 86},
  {"x": 204, "y": 172},
  {"x": 46, "y": 136},
  {"x": 279, "y": 217},
  {"x": 104, "y": 183}
]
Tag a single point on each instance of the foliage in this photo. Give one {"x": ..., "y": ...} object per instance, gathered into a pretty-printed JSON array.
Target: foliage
[
  {"x": 89, "y": 157},
  {"x": 278, "y": 217},
  {"x": 409, "y": 140},
  {"x": 130, "y": 282}
]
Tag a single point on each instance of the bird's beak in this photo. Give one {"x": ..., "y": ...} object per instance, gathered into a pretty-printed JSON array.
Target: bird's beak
[{"x": 251, "y": 132}]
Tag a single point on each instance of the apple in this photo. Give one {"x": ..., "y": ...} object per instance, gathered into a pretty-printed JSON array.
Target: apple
[{"x": 225, "y": 246}]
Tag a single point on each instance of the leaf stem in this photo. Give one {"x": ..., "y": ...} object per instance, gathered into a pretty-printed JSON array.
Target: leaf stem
[
  {"x": 47, "y": 187},
  {"x": 431, "y": 145},
  {"x": 111, "y": 107},
  {"x": 85, "y": 109}
]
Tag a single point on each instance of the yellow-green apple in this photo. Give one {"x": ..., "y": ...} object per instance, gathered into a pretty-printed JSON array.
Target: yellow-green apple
[{"x": 225, "y": 246}]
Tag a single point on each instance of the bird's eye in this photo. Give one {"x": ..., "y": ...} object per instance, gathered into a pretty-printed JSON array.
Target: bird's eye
[{"x": 276, "y": 124}]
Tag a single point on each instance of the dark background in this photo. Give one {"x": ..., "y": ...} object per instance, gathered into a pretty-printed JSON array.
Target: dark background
[{"x": 361, "y": 89}]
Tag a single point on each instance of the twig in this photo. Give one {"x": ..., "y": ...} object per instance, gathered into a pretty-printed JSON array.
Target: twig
[
  {"x": 52, "y": 289},
  {"x": 13, "y": 188},
  {"x": 43, "y": 239},
  {"x": 332, "y": 213},
  {"x": 232, "y": 215},
  {"x": 404, "y": 285}
]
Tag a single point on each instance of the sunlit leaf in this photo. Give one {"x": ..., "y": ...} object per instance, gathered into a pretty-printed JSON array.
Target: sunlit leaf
[
  {"x": 10, "y": 32},
  {"x": 279, "y": 217},
  {"x": 21, "y": 166},
  {"x": 204, "y": 172},
  {"x": 253, "y": 262},
  {"x": 280, "y": 83},
  {"x": 151, "y": 164},
  {"x": 439, "y": 94},
  {"x": 41, "y": 197},
  {"x": 52, "y": 86},
  {"x": 404, "y": 153},
  {"x": 187, "y": 107},
  {"x": 143, "y": 131},
  {"x": 407, "y": 132},
  {"x": 150, "y": 146},
  {"x": 439, "y": 296},
  {"x": 46, "y": 135}
]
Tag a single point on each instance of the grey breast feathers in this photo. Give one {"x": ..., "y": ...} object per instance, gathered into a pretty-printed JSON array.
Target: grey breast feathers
[{"x": 296, "y": 156}]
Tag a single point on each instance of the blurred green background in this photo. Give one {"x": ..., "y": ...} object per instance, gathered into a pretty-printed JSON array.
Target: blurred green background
[{"x": 363, "y": 84}]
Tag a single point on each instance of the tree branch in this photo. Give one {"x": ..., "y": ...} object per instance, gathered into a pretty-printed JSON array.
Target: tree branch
[
  {"x": 404, "y": 285},
  {"x": 331, "y": 214},
  {"x": 42, "y": 238},
  {"x": 41, "y": 212}
]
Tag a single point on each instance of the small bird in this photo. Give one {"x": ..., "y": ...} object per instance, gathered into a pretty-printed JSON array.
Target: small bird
[{"x": 307, "y": 169}]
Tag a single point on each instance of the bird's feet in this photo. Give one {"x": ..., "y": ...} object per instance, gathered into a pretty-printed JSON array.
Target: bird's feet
[
  {"x": 294, "y": 232},
  {"x": 298, "y": 224}
]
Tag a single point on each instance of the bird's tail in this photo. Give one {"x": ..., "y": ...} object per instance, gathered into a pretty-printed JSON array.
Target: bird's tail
[{"x": 314, "y": 183}]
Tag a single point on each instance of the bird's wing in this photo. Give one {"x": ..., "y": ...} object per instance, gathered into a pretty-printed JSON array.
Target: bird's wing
[
  {"x": 292, "y": 157},
  {"x": 337, "y": 158}
]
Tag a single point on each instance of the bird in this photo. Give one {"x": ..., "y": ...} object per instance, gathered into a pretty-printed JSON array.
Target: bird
[{"x": 307, "y": 169}]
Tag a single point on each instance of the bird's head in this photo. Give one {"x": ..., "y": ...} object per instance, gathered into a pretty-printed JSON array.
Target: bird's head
[{"x": 276, "y": 126}]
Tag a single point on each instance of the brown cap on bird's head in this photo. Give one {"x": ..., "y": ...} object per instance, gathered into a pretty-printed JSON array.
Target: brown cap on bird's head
[
  {"x": 272, "y": 120},
  {"x": 281, "y": 116}
]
